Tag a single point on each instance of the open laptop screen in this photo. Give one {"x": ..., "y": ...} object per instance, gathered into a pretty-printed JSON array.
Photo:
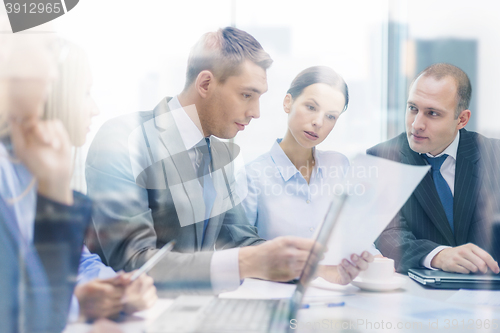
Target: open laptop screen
[{"x": 316, "y": 254}]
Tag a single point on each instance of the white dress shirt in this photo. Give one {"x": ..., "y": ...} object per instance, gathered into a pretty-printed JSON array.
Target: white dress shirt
[
  {"x": 224, "y": 267},
  {"x": 448, "y": 172},
  {"x": 280, "y": 202}
]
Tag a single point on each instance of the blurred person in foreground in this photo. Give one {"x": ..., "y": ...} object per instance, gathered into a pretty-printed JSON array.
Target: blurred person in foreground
[
  {"x": 42, "y": 222},
  {"x": 449, "y": 220},
  {"x": 99, "y": 291}
]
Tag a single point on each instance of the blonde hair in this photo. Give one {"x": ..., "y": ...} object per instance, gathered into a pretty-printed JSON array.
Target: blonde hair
[
  {"x": 222, "y": 52},
  {"x": 4, "y": 50},
  {"x": 4, "y": 124},
  {"x": 65, "y": 101}
]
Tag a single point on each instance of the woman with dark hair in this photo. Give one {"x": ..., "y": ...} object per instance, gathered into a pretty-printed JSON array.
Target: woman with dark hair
[{"x": 290, "y": 187}]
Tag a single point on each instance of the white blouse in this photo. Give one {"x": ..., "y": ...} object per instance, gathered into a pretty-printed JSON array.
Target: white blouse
[{"x": 280, "y": 201}]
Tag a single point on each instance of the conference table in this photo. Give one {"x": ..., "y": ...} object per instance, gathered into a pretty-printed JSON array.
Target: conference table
[{"x": 411, "y": 308}]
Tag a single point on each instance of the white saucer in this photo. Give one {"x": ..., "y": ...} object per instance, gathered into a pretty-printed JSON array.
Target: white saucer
[{"x": 395, "y": 283}]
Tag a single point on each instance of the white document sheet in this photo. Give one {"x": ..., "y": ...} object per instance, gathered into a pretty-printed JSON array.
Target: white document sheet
[
  {"x": 404, "y": 305},
  {"x": 377, "y": 189},
  {"x": 261, "y": 289},
  {"x": 476, "y": 297}
]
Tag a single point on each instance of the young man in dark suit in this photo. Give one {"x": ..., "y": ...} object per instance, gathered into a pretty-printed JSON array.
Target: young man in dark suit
[{"x": 447, "y": 222}]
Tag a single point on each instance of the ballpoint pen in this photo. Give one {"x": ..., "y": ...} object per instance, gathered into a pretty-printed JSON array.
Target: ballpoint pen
[
  {"x": 329, "y": 305},
  {"x": 153, "y": 260}
]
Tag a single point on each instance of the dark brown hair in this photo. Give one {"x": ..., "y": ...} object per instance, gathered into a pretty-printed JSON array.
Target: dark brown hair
[{"x": 318, "y": 74}]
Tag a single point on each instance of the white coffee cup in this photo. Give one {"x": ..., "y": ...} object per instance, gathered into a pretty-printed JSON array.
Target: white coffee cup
[{"x": 380, "y": 270}]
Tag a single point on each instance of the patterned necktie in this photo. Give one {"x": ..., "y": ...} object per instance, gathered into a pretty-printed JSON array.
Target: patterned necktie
[
  {"x": 442, "y": 187},
  {"x": 204, "y": 161}
]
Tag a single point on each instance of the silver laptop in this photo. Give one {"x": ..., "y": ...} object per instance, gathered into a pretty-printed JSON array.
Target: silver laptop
[
  {"x": 218, "y": 315},
  {"x": 446, "y": 280}
]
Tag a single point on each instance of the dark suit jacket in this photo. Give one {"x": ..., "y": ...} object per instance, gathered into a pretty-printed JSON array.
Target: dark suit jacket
[
  {"x": 421, "y": 225},
  {"x": 37, "y": 280},
  {"x": 145, "y": 192}
]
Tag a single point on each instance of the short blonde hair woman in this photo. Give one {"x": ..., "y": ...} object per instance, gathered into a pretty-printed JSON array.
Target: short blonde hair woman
[
  {"x": 70, "y": 100},
  {"x": 71, "y": 103}
]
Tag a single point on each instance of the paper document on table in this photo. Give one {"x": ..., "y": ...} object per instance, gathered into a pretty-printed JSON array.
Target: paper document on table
[
  {"x": 476, "y": 297},
  {"x": 261, "y": 289},
  {"x": 377, "y": 189},
  {"x": 423, "y": 311}
]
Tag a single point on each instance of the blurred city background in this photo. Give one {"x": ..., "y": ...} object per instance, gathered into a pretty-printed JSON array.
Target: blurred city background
[{"x": 138, "y": 52}]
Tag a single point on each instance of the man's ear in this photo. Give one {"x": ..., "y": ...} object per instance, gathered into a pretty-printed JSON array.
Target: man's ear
[
  {"x": 204, "y": 83},
  {"x": 287, "y": 103},
  {"x": 463, "y": 119}
]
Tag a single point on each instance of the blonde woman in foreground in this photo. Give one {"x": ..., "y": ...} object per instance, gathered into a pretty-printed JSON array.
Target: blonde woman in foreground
[{"x": 100, "y": 291}]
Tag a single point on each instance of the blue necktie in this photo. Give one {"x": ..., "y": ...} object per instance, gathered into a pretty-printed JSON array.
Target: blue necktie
[
  {"x": 205, "y": 180},
  {"x": 442, "y": 187}
]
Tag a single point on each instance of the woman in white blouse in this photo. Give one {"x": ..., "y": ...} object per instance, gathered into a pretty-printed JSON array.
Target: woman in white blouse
[{"x": 290, "y": 187}]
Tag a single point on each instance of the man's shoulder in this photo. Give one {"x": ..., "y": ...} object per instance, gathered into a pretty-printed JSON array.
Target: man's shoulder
[
  {"x": 482, "y": 142},
  {"x": 118, "y": 129},
  {"x": 111, "y": 142},
  {"x": 389, "y": 149},
  {"x": 481, "y": 149},
  {"x": 126, "y": 123}
]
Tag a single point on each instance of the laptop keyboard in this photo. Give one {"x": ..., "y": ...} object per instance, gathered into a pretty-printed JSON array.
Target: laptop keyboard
[{"x": 238, "y": 315}]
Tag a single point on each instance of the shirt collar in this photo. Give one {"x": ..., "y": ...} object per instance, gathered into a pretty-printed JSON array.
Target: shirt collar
[
  {"x": 451, "y": 150},
  {"x": 190, "y": 134},
  {"x": 285, "y": 166}
]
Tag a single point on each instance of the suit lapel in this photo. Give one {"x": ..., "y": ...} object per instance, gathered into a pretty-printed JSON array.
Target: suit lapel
[
  {"x": 427, "y": 195},
  {"x": 172, "y": 142},
  {"x": 466, "y": 185},
  {"x": 186, "y": 177}
]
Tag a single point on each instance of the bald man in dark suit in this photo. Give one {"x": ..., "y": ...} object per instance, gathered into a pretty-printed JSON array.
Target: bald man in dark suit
[{"x": 449, "y": 222}]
